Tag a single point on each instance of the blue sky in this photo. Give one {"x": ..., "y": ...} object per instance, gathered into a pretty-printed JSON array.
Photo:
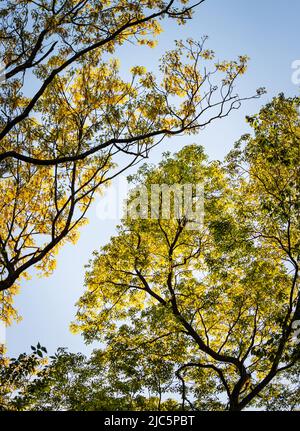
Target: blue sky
[{"x": 268, "y": 32}]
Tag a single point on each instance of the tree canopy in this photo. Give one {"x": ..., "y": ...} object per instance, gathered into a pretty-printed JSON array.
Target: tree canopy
[
  {"x": 218, "y": 303},
  {"x": 194, "y": 319},
  {"x": 189, "y": 313},
  {"x": 70, "y": 121}
]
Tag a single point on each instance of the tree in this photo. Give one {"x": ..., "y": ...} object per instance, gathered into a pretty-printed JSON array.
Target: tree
[
  {"x": 71, "y": 381},
  {"x": 16, "y": 375},
  {"x": 219, "y": 302},
  {"x": 68, "y": 118}
]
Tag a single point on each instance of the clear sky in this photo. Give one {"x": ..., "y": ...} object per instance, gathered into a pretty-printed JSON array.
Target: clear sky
[{"x": 268, "y": 32}]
